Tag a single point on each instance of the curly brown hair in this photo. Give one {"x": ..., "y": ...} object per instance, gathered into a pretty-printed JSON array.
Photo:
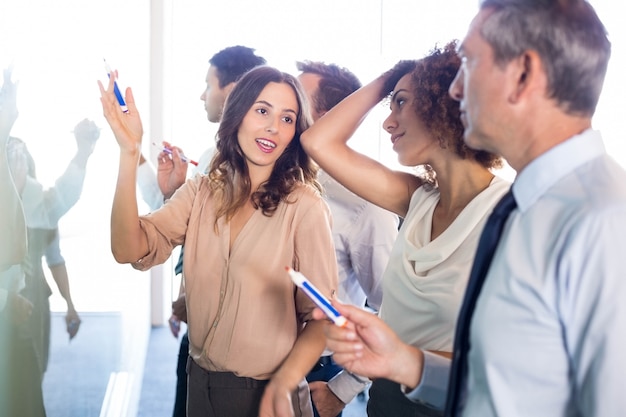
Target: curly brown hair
[{"x": 431, "y": 77}]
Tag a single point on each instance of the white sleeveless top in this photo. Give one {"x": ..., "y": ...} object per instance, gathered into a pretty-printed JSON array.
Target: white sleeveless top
[{"x": 425, "y": 280}]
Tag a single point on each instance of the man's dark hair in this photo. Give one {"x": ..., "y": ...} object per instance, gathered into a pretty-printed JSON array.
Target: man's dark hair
[
  {"x": 336, "y": 83},
  {"x": 233, "y": 62}
]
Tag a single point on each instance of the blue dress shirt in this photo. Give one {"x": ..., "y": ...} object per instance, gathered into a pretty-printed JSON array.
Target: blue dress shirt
[{"x": 549, "y": 330}]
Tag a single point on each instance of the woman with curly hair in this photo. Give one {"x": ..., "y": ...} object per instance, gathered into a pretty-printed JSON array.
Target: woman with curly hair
[
  {"x": 257, "y": 211},
  {"x": 444, "y": 204}
]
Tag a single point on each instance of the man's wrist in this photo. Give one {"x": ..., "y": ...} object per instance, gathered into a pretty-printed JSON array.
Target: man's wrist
[
  {"x": 345, "y": 386},
  {"x": 410, "y": 362},
  {"x": 433, "y": 382}
]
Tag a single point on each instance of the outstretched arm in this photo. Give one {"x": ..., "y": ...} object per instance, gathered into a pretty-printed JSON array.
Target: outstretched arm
[
  {"x": 12, "y": 223},
  {"x": 56, "y": 264},
  {"x": 57, "y": 201},
  {"x": 86, "y": 133},
  {"x": 60, "y": 276},
  {"x": 326, "y": 142},
  {"x": 128, "y": 241}
]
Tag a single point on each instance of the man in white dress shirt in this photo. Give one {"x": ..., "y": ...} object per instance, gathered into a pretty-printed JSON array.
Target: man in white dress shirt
[{"x": 363, "y": 235}]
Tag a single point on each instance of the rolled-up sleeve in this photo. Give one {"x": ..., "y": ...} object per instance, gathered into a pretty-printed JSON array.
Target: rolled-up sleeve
[
  {"x": 53, "y": 252},
  {"x": 166, "y": 227},
  {"x": 346, "y": 385}
]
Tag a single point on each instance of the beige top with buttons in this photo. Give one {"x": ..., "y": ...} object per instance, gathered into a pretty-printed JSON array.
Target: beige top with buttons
[{"x": 243, "y": 310}]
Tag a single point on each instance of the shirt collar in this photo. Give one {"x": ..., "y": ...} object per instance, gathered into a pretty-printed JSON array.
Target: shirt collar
[{"x": 543, "y": 172}]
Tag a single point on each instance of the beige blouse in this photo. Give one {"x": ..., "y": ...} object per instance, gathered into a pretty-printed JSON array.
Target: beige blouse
[{"x": 243, "y": 310}]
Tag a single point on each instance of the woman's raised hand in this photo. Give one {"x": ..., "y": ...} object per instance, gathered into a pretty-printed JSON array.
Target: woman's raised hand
[{"x": 126, "y": 126}]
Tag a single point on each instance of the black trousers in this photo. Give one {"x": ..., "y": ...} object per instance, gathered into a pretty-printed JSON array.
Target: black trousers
[
  {"x": 387, "y": 400},
  {"x": 180, "y": 401},
  {"x": 221, "y": 394},
  {"x": 20, "y": 373}
]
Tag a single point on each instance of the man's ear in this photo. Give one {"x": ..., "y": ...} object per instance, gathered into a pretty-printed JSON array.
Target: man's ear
[
  {"x": 228, "y": 88},
  {"x": 527, "y": 73}
]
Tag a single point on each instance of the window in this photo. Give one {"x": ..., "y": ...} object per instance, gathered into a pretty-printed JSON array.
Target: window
[{"x": 161, "y": 48}]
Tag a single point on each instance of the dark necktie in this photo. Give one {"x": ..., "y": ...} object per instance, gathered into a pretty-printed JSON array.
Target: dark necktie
[
  {"x": 484, "y": 254},
  {"x": 179, "y": 265}
]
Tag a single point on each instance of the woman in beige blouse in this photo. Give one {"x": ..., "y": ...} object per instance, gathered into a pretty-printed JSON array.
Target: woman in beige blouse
[{"x": 256, "y": 211}]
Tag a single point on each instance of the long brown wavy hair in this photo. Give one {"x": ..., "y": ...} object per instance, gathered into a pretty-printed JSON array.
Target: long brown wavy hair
[{"x": 229, "y": 179}]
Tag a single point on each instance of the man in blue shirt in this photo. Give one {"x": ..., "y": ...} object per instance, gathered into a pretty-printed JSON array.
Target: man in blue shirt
[{"x": 547, "y": 333}]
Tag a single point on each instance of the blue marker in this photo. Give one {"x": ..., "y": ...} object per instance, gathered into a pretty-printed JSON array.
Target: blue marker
[
  {"x": 317, "y": 297},
  {"x": 116, "y": 89}
]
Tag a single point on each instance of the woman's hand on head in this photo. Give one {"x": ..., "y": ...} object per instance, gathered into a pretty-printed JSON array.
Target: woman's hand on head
[{"x": 127, "y": 127}]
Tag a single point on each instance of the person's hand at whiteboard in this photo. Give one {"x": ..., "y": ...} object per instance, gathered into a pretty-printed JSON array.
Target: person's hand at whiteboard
[{"x": 8, "y": 104}]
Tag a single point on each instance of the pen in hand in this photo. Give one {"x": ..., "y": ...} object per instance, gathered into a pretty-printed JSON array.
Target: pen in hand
[
  {"x": 72, "y": 328},
  {"x": 116, "y": 89},
  {"x": 169, "y": 151},
  {"x": 316, "y": 296}
]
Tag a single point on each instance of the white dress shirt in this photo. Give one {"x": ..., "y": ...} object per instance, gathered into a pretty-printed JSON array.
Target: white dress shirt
[
  {"x": 43, "y": 208},
  {"x": 363, "y": 234}
]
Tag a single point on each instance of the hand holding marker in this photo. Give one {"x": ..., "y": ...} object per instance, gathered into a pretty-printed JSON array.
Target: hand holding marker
[
  {"x": 120, "y": 100},
  {"x": 116, "y": 89},
  {"x": 169, "y": 151},
  {"x": 314, "y": 294}
]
